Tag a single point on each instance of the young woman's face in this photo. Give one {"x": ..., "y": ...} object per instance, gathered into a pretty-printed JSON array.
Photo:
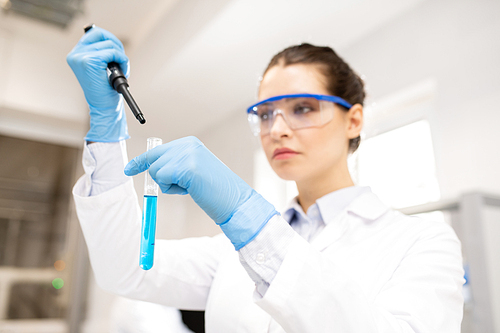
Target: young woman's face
[{"x": 316, "y": 150}]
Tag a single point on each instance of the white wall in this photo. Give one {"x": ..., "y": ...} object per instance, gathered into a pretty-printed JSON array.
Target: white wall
[{"x": 40, "y": 98}]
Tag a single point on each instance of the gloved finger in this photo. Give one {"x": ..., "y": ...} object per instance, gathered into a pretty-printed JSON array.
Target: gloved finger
[
  {"x": 101, "y": 45},
  {"x": 142, "y": 162},
  {"x": 176, "y": 163},
  {"x": 164, "y": 174},
  {"x": 113, "y": 55},
  {"x": 136, "y": 165},
  {"x": 175, "y": 189},
  {"x": 103, "y": 56},
  {"x": 97, "y": 34}
]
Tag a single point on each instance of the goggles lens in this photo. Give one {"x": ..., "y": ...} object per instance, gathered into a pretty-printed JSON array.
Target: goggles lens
[{"x": 298, "y": 111}]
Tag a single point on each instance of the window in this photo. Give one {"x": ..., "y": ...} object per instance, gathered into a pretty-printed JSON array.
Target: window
[{"x": 399, "y": 166}]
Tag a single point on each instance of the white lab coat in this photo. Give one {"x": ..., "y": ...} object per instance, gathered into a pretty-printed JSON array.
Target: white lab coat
[{"x": 371, "y": 269}]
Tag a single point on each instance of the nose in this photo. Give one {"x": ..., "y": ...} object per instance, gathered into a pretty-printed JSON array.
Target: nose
[{"x": 279, "y": 127}]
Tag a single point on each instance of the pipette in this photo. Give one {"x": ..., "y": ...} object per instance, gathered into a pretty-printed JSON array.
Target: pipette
[
  {"x": 149, "y": 209},
  {"x": 119, "y": 83}
]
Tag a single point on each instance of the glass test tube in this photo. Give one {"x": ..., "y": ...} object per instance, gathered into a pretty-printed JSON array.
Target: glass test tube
[{"x": 149, "y": 209}]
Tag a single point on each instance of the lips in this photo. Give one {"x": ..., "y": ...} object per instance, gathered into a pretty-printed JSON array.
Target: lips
[{"x": 283, "y": 153}]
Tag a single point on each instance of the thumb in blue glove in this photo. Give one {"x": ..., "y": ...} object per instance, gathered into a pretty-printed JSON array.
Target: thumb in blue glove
[
  {"x": 186, "y": 166},
  {"x": 89, "y": 60}
]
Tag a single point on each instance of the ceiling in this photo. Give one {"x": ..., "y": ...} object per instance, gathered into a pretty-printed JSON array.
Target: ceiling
[{"x": 196, "y": 62}]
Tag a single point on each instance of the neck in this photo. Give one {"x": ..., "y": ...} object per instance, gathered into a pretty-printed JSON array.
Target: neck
[{"x": 313, "y": 188}]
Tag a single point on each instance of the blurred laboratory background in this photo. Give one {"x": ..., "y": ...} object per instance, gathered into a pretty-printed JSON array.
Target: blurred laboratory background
[{"x": 430, "y": 144}]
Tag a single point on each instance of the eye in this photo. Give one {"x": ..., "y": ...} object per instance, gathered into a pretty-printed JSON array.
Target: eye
[
  {"x": 303, "y": 109},
  {"x": 265, "y": 116},
  {"x": 265, "y": 112}
]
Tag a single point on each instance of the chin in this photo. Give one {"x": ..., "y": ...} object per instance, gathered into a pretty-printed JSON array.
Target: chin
[{"x": 287, "y": 172}]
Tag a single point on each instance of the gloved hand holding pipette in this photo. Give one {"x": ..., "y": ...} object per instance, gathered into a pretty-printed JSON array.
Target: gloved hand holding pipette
[
  {"x": 186, "y": 166},
  {"x": 89, "y": 60}
]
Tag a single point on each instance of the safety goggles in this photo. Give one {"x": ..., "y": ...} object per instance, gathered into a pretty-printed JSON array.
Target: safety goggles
[{"x": 298, "y": 111}]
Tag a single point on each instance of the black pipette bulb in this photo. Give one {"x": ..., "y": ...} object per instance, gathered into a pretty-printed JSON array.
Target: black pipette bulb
[{"x": 119, "y": 82}]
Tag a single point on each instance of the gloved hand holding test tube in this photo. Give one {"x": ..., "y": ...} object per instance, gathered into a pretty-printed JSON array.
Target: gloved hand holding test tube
[{"x": 149, "y": 210}]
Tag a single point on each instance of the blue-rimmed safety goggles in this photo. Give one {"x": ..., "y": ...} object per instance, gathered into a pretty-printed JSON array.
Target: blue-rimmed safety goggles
[{"x": 298, "y": 111}]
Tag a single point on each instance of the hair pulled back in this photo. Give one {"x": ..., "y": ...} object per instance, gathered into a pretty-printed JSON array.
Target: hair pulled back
[{"x": 341, "y": 80}]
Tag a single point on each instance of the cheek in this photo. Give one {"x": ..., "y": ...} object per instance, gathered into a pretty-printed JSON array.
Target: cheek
[
  {"x": 326, "y": 144},
  {"x": 266, "y": 146}
]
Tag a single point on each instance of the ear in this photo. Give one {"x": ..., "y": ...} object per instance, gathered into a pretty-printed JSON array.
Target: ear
[{"x": 354, "y": 121}]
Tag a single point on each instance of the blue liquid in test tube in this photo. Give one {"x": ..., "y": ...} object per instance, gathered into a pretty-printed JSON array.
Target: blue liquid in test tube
[
  {"x": 149, "y": 210},
  {"x": 148, "y": 231}
]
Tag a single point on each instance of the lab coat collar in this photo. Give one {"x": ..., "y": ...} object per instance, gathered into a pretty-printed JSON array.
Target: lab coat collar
[
  {"x": 332, "y": 204},
  {"x": 368, "y": 206}
]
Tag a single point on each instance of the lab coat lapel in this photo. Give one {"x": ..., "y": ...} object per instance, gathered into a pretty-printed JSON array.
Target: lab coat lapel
[
  {"x": 332, "y": 232},
  {"x": 367, "y": 206}
]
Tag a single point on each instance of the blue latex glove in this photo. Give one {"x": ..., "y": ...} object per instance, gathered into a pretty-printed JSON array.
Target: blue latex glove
[
  {"x": 89, "y": 60},
  {"x": 186, "y": 166}
]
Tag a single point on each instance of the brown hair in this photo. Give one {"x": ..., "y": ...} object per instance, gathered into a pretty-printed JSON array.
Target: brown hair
[{"x": 341, "y": 80}]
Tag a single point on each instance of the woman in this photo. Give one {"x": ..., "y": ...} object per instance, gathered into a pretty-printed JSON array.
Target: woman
[{"x": 337, "y": 260}]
